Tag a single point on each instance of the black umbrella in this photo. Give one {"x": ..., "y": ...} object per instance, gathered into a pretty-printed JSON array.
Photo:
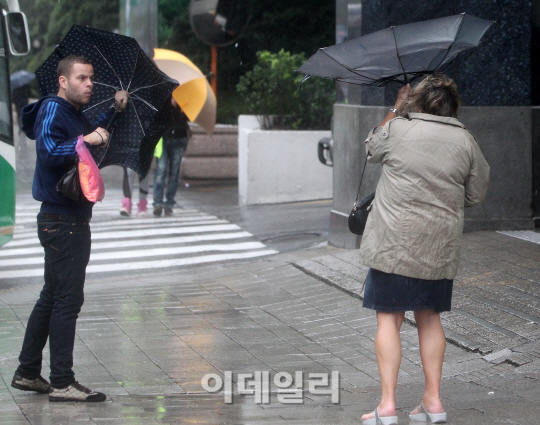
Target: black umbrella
[
  {"x": 402, "y": 53},
  {"x": 119, "y": 64},
  {"x": 21, "y": 78}
]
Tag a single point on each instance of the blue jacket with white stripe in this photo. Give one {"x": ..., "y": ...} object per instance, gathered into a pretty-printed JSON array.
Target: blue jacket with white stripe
[{"x": 55, "y": 124}]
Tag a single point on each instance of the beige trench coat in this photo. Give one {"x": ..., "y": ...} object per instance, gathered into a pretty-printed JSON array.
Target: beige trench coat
[{"x": 432, "y": 168}]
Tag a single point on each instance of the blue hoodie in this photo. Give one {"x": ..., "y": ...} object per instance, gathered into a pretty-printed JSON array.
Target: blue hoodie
[{"x": 56, "y": 124}]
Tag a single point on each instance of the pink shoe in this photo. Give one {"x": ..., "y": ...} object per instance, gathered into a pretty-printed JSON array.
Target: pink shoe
[
  {"x": 142, "y": 210},
  {"x": 126, "y": 207}
]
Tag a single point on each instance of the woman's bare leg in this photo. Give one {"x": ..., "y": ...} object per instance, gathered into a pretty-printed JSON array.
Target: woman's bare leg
[
  {"x": 432, "y": 347},
  {"x": 388, "y": 351}
]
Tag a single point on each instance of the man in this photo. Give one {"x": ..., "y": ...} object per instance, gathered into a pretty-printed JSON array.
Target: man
[
  {"x": 55, "y": 122},
  {"x": 174, "y": 144}
]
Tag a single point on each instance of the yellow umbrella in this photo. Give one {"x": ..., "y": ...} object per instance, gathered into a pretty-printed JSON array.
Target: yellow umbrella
[{"x": 194, "y": 94}]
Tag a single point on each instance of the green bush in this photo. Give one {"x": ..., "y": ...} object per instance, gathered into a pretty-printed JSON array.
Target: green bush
[{"x": 272, "y": 89}]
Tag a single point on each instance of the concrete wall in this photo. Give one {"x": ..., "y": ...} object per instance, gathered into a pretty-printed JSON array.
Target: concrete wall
[
  {"x": 280, "y": 166},
  {"x": 505, "y": 138},
  {"x": 212, "y": 157}
]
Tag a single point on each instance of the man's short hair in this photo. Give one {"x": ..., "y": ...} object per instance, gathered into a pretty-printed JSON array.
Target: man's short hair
[{"x": 66, "y": 64}]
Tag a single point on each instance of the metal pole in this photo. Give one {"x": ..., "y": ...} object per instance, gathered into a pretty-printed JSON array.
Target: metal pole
[
  {"x": 213, "y": 82},
  {"x": 13, "y": 5}
]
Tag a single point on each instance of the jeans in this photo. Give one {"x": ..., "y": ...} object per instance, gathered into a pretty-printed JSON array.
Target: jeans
[
  {"x": 173, "y": 150},
  {"x": 66, "y": 240}
]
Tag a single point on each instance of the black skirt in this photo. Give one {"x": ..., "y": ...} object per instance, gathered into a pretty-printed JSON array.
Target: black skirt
[{"x": 392, "y": 292}]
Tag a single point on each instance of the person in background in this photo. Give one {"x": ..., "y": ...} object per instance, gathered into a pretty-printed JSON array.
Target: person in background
[
  {"x": 55, "y": 122},
  {"x": 432, "y": 168},
  {"x": 127, "y": 186},
  {"x": 20, "y": 98},
  {"x": 174, "y": 144}
]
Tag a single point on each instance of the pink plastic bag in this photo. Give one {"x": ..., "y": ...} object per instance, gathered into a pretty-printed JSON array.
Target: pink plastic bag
[{"x": 91, "y": 181}]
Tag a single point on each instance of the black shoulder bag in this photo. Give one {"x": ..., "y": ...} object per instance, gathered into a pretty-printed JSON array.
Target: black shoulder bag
[
  {"x": 70, "y": 184},
  {"x": 359, "y": 214}
]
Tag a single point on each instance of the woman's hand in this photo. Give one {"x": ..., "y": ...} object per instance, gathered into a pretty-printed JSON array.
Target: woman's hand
[
  {"x": 402, "y": 98},
  {"x": 399, "y": 106}
]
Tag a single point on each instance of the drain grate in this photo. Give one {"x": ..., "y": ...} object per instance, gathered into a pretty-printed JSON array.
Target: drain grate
[{"x": 288, "y": 237}]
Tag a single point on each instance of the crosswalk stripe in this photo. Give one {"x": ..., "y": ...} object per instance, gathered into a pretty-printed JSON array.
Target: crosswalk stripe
[
  {"x": 133, "y": 243},
  {"x": 155, "y": 252},
  {"x": 141, "y": 265},
  {"x": 119, "y": 225},
  {"x": 149, "y": 232},
  {"x": 125, "y": 221},
  {"x": 121, "y": 244}
]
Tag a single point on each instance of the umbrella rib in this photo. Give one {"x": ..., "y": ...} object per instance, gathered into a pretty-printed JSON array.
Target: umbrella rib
[
  {"x": 107, "y": 85},
  {"x": 348, "y": 69},
  {"x": 104, "y": 58},
  {"x": 452, "y": 64},
  {"x": 147, "y": 87},
  {"x": 134, "y": 67},
  {"x": 100, "y": 103},
  {"x": 453, "y": 42},
  {"x": 397, "y": 54},
  {"x": 142, "y": 100},
  {"x": 137, "y": 115}
]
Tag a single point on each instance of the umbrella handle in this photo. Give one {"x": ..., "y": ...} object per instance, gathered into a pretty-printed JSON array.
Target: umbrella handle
[
  {"x": 113, "y": 118},
  {"x": 111, "y": 122}
]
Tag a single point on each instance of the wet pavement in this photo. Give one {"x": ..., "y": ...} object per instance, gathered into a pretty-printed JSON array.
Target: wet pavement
[{"x": 189, "y": 346}]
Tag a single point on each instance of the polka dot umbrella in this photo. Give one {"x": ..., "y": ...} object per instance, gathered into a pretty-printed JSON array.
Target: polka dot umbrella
[{"x": 119, "y": 64}]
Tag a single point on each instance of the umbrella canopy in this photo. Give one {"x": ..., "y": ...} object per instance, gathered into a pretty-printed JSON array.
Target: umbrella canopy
[
  {"x": 194, "y": 95},
  {"x": 21, "y": 78},
  {"x": 119, "y": 64},
  {"x": 402, "y": 53}
]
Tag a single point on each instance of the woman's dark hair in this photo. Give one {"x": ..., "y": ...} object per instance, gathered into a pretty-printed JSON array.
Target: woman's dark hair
[{"x": 436, "y": 95}]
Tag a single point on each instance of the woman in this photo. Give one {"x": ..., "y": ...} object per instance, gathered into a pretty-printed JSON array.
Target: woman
[{"x": 432, "y": 168}]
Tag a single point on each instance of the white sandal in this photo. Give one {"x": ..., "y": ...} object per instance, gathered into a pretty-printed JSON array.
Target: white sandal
[
  {"x": 378, "y": 420},
  {"x": 430, "y": 418}
]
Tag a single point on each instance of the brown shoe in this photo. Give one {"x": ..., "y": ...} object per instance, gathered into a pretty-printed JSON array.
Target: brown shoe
[
  {"x": 168, "y": 212},
  {"x": 39, "y": 384},
  {"x": 75, "y": 392}
]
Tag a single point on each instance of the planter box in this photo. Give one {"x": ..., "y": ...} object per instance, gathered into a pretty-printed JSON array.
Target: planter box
[{"x": 276, "y": 166}]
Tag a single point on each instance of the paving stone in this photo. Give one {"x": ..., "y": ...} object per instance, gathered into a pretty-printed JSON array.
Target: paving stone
[{"x": 148, "y": 344}]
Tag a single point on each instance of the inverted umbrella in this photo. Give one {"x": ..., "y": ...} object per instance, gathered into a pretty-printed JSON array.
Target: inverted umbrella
[
  {"x": 194, "y": 95},
  {"x": 402, "y": 53},
  {"x": 21, "y": 78},
  {"x": 119, "y": 64}
]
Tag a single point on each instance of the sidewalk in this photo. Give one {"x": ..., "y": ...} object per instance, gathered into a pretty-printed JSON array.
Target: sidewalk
[{"x": 149, "y": 343}]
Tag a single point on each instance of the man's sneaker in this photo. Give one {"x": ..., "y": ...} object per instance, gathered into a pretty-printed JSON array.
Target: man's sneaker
[
  {"x": 125, "y": 210},
  {"x": 142, "y": 208},
  {"x": 158, "y": 211},
  {"x": 75, "y": 392},
  {"x": 39, "y": 384},
  {"x": 168, "y": 212}
]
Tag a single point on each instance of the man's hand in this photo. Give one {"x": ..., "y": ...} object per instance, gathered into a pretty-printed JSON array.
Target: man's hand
[
  {"x": 120, "y": 100},
  {"x": 98, "y": 137}
]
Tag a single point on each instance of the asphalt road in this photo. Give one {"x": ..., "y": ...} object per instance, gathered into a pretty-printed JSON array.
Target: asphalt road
[{"x": 284, "y": 227}]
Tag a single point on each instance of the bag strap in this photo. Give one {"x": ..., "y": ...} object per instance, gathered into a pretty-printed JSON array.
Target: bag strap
[{"x": 361, "y": 178}]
